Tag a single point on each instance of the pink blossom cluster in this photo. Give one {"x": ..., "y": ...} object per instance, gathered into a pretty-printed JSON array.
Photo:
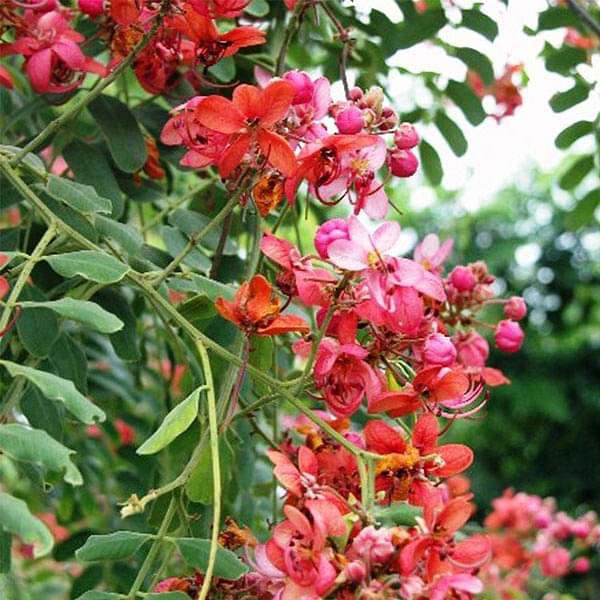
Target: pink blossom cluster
[
  {"x": 529, "y": 534},
  {"x": 399, "y": 335},
  {"x": 281, "y": 129}
]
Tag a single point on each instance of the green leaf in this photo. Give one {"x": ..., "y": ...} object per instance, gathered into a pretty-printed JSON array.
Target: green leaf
[
  {"x": 556, "y": 17},
  {"x": 114, "y": 546},
  {"x": 57, "y": 388},
  {"x": 202, "y": 285},
  {"x": 43, "y": 413},
  {"x": 125, "y": 341},
  {"x": 399, "y": 513},
  {"x": 478, "y": 62},
  {"x": 175, "y": 242},
  {"x": 576, "y": 172},
  {"x": 451, "y": 132},
  {"x": 572, "y": 133},
  {"x": 91, "y": 167},
  {"x": 196, "y": 551},
  {"x": 224, "y": 70},
  {"x": 84, "y": 311},
  {"x": 417, "y": 29},
  {"x": 191, "y": 223},
  {"x": 93, "y": 595},
  {"x": 258, "y": 8},
  {"x": 477, "y": 21},
  {"x": 174, "y": 424},
  {"x": 200, "y": 486},
  {"x": 466, "y": 99},
  {"x": 89, "y": 264},
  {"x": 129, "y": 238},
  {"x": 37, "y": 447},
  {"x": 564, "y": 59},
  {"x": 197, "y": 309},
  {"x": 432, "y": 165},
  {"x": 15, "y": 518},
  {"x": 562, "y": 101},
  {"x": 69, "y": 361},
  {"x": 82, "y": 198},
  {"x": 583, "y": 213},
  {"x": 5, "y": 551},
  {"x": 121, "y": 131},
  {"x": 38, "y": 328}
]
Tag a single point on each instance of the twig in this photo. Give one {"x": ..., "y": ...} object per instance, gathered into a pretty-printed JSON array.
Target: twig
[{"x": 583, "y": 14}]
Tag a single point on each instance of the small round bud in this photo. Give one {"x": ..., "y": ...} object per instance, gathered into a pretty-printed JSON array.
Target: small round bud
[
  {"x": 406, "y": 137},
  {"x": 462, "y": 279},
  {"x": 403, "y": 163},
  {"x": 92, "y": 8},
  {"x": 349, "y": 120},
  {"x": 515, "y": 308},
  {"x": 334, "y": 229},
  {"x": 439, "y": 350},
  {"x": 509, "y": 336}
]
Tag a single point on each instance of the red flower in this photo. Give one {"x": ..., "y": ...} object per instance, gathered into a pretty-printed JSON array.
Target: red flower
[
  {"x": 256, "y": 310},
  {"x": 249, "y": 118}
]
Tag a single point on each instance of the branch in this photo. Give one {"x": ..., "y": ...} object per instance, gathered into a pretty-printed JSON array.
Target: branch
[{"x": 583, "y": 14}]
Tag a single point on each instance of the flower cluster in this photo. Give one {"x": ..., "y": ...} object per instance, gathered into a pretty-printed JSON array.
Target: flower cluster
[
  {"x": 505, "y": 91},
  {"x": 277, "y": 133},
  {"x": 527, "y": 534}
]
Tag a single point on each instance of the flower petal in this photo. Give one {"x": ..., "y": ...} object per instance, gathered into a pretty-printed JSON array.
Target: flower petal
[
  {"x": 219, "y": 114},
  {"x": 277, "y": 150},
  {"x": 277, "y": 98},
  {"x": 234, "y": 155}
]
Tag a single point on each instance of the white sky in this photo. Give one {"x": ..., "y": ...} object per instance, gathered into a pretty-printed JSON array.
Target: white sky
[{"x": 497, "y": 153}]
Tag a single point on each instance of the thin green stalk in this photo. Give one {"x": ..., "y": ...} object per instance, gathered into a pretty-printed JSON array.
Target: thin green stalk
[
  {"x": 25, "y": 273},
  {"x": 154, "y": 549},
  {"x": 216, "y": 469}
]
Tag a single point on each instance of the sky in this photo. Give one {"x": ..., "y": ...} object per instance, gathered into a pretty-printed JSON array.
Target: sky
[{"x": 498, "y": 153}]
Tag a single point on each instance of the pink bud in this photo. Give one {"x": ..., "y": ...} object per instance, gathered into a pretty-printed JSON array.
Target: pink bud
[
  {"x": 473, "y": 350},
  {"x": 439, "y": 350},
  {"x": 356, "y": 571},
  {"x": 302, "y": 84},
  {"x": 350, "y": 120},
  {"x": 580, "y": 529},
  {"x": 334, "y": 229},
  {"x": 374, "y": 544},
  {"x": 355, "y": 94},
  {"x": 581, "y": 565},
  {"x": 509, "y": 336},
  {"x": 403, "y": 163},
  {"x": 556, "y": 563},
  {"x": 462, "y": 279},
  {"x": 93, "y": 8},
  {"x": 515, "y": 308},
  {"x": 4, "y": 287},
  {"x": 406, "y": 136}
]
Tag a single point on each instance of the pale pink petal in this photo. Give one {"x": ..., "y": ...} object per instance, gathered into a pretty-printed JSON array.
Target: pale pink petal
[
  {"x": 386, "y": 236},
  {"x": 348, "y": 255}
]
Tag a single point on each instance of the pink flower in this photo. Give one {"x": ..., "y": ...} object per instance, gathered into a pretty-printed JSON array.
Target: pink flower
[
  {"x": 92, "y": 8},
  {"x": 462, "y": 279},
  {"x": 439, "y": 350},
  {"x": 228, "y": 9},
  {"x": 461, "y": 582},
  {"x": 363, "y": 250},
  {"x": 581, "y": 565},
  {"x": 344, "y": 377},
  {"x": 431, "y": 254},
  {"x": 329, "y": 232},
  {"x": 374, "y": 545},
  {"x": 515, "y": 308},
  {"x": 406, "y": 137},
  {"x": 303, "y": 85},
  {"x": 54, "y": 61},
  {"x": 509, "y": 336},
  {"x": 350, "y": 120},
  {"x": 356, "y": 571},
  {"x": 556, "y": 563},
  {"x": 473, "y": 349},
  {"x": 403, "y": 163}
]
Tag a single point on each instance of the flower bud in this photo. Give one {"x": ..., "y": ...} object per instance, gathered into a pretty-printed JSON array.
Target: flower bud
[
  {"x": 374, "y": 98},
  {"x": 356, "y": 571},
  {"x": 302, "y": 84},
  {"x": 581, "y": 565},
  {"x": 92, "y": 8},
  {"x": 515, "y": 308},
  {"x": 406, "y": 136},
  {"x": 403, "y": 163},
  {"x": 462, "y": 279},
  {"x": 580, "y": 529},
  {"x": 349, "y": 120},
  {"x": 334, "y": 229},
  {"x": 439, "y": 350},
  {"x": 509, "y": 336},
  {"x": 556, "y": 563},
  {"x": 373, "y": 544},
  {"x": 355, "y": 94},
  {"x": 473, "y": 350}
]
